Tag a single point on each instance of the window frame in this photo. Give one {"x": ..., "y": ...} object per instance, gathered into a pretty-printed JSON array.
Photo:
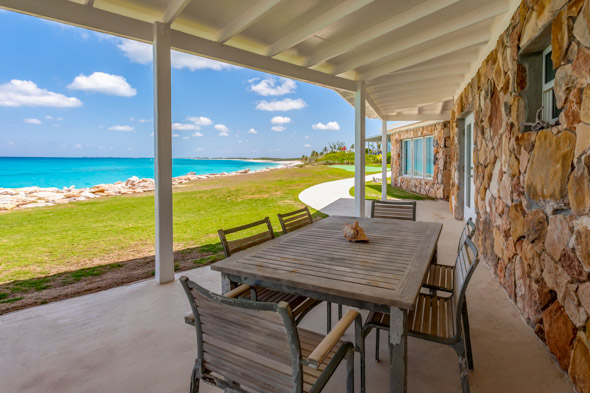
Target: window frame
[
  {"x": 410, "y": 173},
  {"x": 547, "y": 93}
]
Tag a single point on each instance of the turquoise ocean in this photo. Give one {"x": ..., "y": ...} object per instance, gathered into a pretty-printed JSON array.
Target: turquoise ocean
[{"x": 86, "y": 172}]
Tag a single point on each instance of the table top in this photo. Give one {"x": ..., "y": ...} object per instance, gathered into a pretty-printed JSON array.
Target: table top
[{"x": 388, "y": 270}]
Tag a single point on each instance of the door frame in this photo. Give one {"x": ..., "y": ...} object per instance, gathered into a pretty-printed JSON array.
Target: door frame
[{"x": 468, "y": 183}]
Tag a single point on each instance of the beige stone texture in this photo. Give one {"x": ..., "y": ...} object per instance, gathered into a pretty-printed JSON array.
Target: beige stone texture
[
  {"x": 558, "y": 235},
  {"x": 579, "y": 370},
  {"x": 585, "y": 109},
  {"x": 582, "y": 139},
  {"x": 559, "y": 333},
  {"x": 559, "y": 38},
  {"x": 582, "y": 240},
  {"x": 549, "y": 166}
]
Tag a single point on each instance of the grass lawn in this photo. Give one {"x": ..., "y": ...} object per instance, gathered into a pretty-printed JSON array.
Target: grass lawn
[
  {"x": 44, "y": 248},
  {"x": 350, "y": 168},
  {"x": 373, "y": 191}
]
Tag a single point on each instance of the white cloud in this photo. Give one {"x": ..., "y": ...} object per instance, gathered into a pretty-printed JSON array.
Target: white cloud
[
  {"x": 60, "y": 118},
  {"x": 199, "y": 149},
  {"x": 100, "y": 82},
  {"x": 175, "y": 135},
  {"x": 280, "y": 120},
  {"x": 197, "y": 134},
  {"x": 273, "y": 86},
  {"x": 252, "y": 131},
  {"x": 48, "y": 117},
  {"x": 307, "y": 137},
  {"x": 122, "y": 128},
  {"x": 307, "y": 145},
  {"x": 332, "y": 125},
  {"x": 139, "y": 52},
  {"x": 278, "y": 128},
  {"x": 221, "y": 127},
  {"x": 185, "y": 137},
  {"x": 200, "y": 120},
  {"x": 184, "y": 127},
  {"x": 283, "y": 105},
  {"x": 78, "y": 146},
  {"x": 223, "y": 133},
  {"x": 32, "y": 121},
  {"x": 19, "y": 93}
]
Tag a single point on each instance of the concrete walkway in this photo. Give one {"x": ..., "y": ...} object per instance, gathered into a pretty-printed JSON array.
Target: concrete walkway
[{"x": 333, "y": 197}]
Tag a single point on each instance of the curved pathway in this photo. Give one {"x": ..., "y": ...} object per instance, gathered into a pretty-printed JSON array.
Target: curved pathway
[{"x": 333, "y": 197}]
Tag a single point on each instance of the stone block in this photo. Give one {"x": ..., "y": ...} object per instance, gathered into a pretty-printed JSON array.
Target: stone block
[
  {"x": 582, "y": 241},
  {"x": 585, "y": 109},
  {"x": 559, "y": 333},
  {"x": 555, "y": 276},
  {"x": 559, "y": 38},
  {"x": 558, "y": 235},
  {"x": 579, "y": 370},
  {"x": 549, "y": 166},
  {"x": 535, "y": 225}
]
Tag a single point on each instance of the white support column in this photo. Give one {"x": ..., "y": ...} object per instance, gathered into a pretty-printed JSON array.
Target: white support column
[
  {"x": 384, "y": 160},
  {"x": 359, "y": 150},
  {"x": 163, "y": 153}
]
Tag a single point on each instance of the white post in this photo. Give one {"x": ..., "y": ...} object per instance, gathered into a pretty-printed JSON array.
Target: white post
[
  {"x": 163, "y": 153},
  {"x": 384, "y": 160},
  {"x": 359, "y": 150}
]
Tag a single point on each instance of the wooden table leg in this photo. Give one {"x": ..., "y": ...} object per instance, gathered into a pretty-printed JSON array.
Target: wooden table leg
[
  {"x": 226, "y": 284},
  {"x": 398, "y": 350}
]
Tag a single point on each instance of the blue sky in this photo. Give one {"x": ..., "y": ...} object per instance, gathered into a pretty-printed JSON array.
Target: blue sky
[{"x": 70, "y": 92}]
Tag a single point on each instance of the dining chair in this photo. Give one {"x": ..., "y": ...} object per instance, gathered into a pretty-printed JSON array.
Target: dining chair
[
  {"x": 251, "y": 346},
  {"x": 441, "y": 318},
  {"x": 297, "y": 219},
  {"x": 439, "y": 277},
  {"x": 399, "y": 210},
  {"x": 300, "y": 305}
]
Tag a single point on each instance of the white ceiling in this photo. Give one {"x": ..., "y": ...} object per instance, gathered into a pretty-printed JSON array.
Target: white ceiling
[{"x": 412, "y": 56}]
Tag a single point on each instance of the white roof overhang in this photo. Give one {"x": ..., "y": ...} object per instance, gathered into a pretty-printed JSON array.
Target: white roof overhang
[{"x": 412, "y": 57}]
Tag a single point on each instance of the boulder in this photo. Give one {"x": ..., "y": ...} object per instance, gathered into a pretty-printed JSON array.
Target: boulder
[
  {"x": 549, "y": 166},
  {"x": 582, "y": 139},
  {"x": 584, "y": 296},
  {"x": 579, "y": 370},
  {"x": 559, "y": 333},
  {"x": 558, "y": 235},
  {"x": 572, "y": 265},
  {"x": 582, "y": 26},
  {"x": 564, "y": 81},
  {"x": 581, "y": 67},
  {"x": 579, "y": 186},
  {"x": 582, "y": 241},
  {"x": 535, "y": 225},
  {"x": 555, "y": 276},
  {"x": 559, "y": 38},
  {"x": 585, "y": 109}
]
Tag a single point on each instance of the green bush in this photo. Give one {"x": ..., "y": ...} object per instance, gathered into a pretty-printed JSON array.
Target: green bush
[{"x": 343, "y": 157}]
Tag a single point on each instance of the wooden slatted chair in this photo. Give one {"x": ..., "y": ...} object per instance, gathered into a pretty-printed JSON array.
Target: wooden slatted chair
[
  {"x": 399, "y": 210},
  {"x": 295, "y": 219},
  {"x": 255, "y": 347},
  {"x": 440, "y": 277},
  {"x": 442, "y": 319},
  {"x": 300, "y": 305}
]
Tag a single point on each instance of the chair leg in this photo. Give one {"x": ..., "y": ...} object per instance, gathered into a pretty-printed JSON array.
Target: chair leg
[
  {"x": 467, "y": 335},
  {"x": 339, "y": 311},
  {"x": 463, "y": 369},
  {"x": 350, "y": 371},
  {"x": 328, "y": 317},
  {"x": 377, "y": 332},
  {"x": 194, "y": 382}
]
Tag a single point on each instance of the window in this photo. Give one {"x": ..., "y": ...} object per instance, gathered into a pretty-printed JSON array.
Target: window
[
  {"x": 550, "y": 111},
  {"x": 418, "y": 157}
]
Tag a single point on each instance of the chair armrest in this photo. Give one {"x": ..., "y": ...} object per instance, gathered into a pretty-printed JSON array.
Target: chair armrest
[
  {"x": 327, "y": 344},
  {"x": 237, "y": 291}
]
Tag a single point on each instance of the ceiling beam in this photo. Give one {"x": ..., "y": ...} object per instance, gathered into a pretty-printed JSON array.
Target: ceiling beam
[
  {"x": 399, "y": 78},
  {"x": 417, "y": 93},
  {"x": 65, "y": 11},
  {"x": 357, "y": 39},
  {"x": 457, "y": 44},
  {"x": 191, "y": 44},
  {"x": 420, "y": 117},
  {"x": 412, "y": 102},
  {"x": 374, "y": 105},
  {"x": 450, "y": 82},
  {"x": 437, "y": 31},
  {"x": 174, "y": 9},
  {"x": 306, "y": 30},
  {"x": 247, "y": 19}
]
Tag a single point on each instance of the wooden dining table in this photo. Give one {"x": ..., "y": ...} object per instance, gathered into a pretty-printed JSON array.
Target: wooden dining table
[{"x": 384, "y": 274}]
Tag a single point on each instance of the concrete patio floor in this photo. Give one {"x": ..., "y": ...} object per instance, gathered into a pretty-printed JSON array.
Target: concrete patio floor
[{"x": 133, "y": 339}]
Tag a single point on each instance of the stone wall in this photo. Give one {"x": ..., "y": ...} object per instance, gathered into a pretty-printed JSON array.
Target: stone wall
[
  {"x": 439, "y": 185},
  {"x": 533, "y": 187}
]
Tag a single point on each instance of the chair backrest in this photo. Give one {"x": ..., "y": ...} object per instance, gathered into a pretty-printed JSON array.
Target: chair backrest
[
  {"x": 467, "y": 232},
  {"x": 245, "y": 345},
  {"x": 467, "y": 261},
  {"x": 233, "y": 246},
  {"x": 295, "y": 219},
  {"x": 400, "y": 210}
]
